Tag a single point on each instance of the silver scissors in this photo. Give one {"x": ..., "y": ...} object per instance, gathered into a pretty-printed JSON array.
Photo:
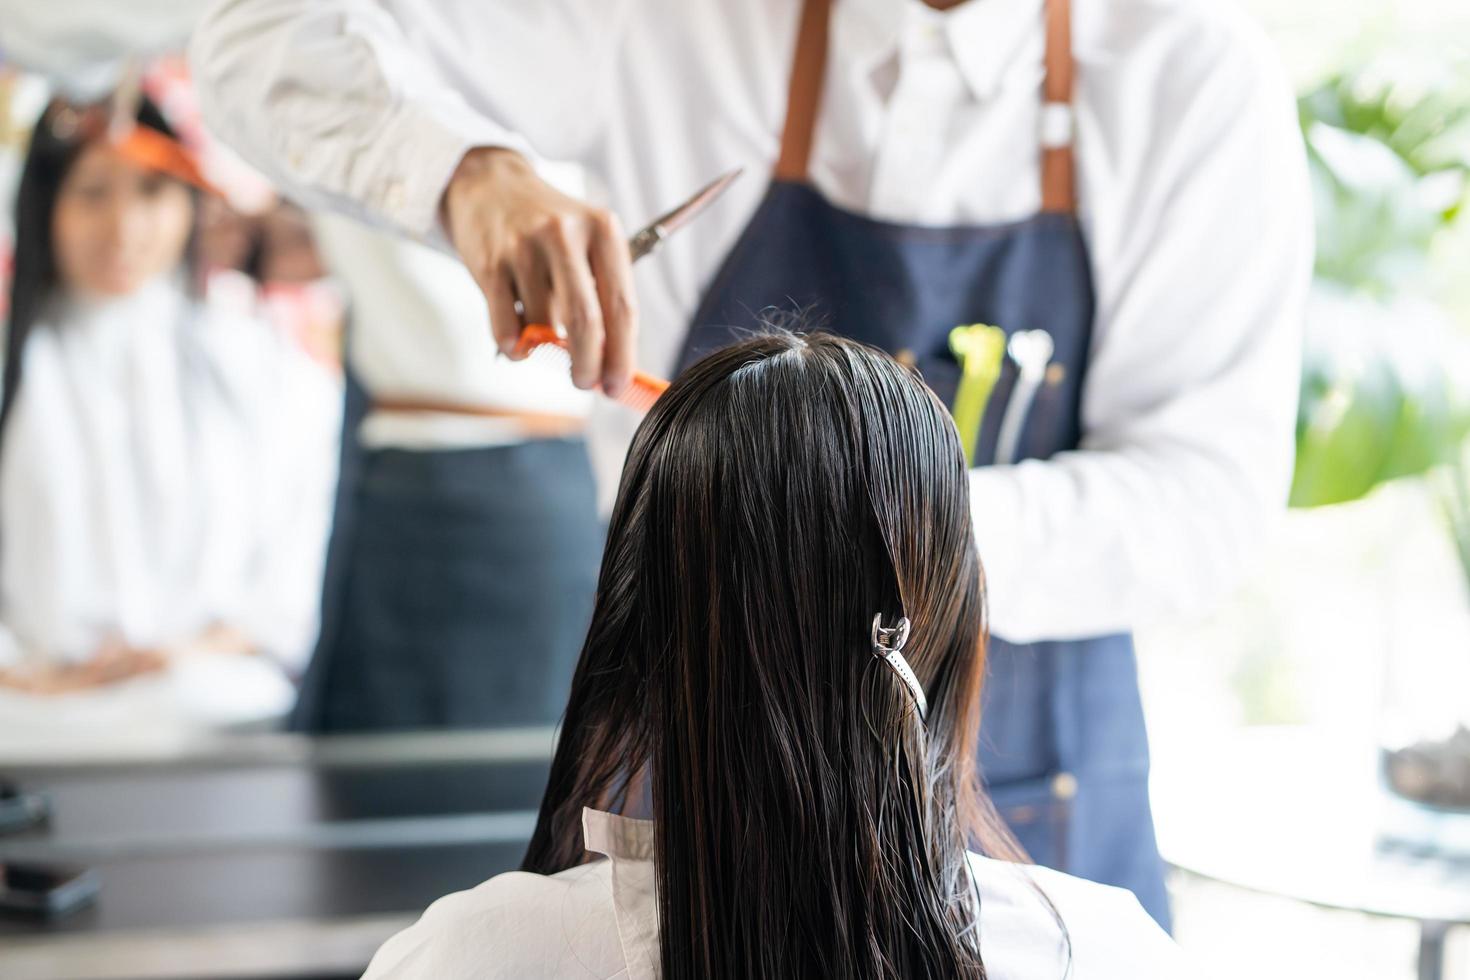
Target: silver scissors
[{"x": 650, "y": 238}]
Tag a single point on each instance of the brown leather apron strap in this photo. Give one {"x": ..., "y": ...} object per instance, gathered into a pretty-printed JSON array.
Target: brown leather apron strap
[
  {"x": 1058, "y": 166},
  {"x": 808, "y": 71},
  {"x": 804, "y": 96},
  {"x": 538, "y": 425}
]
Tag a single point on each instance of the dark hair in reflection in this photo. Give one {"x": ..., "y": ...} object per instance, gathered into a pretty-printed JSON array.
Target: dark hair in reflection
[
  {"x": 35, "y": 277},
  {"x": 808, "y": 823}
]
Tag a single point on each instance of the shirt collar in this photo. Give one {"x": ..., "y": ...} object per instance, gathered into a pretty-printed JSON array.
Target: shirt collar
[
  {"x": 614, "y": 836},
  {"x": 993, "y": 42},
  {"x": 628, "y": 845}
]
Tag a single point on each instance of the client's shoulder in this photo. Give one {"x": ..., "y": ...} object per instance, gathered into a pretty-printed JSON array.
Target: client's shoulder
[
  {"x": 517, "y": 925},
  {"x": 1034, "y": 919}
]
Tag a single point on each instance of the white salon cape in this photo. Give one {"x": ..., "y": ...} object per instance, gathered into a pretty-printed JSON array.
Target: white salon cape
[
  {"x": 599, "y": 921},
  {"x": 1192, "y": 187},
  {"x": 167, "y": 466}
]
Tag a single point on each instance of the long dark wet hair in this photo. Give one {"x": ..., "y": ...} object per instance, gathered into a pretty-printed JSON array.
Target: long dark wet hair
[
  {"x": 54, "y": 150},
  {"x": 808, "y": 823}
]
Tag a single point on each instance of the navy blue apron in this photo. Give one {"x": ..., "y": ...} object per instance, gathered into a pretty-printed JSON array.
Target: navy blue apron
[
  {"x": 458, "y": 588},
  {"x": 1062, "y": 743}
]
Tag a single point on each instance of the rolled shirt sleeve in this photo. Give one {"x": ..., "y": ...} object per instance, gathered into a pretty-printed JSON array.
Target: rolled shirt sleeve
[
  {"x": 352, "y": 106},
  {"x": 1190, "y": 398}
]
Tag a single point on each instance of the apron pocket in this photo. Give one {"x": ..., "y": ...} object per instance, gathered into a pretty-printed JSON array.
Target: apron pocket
[
  {"x": 1039, "y": 813},
  {"x": 1042, "y": 434}
]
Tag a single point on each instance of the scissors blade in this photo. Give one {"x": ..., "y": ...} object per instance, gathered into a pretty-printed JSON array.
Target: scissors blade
[{"x": 647, "y": 239}]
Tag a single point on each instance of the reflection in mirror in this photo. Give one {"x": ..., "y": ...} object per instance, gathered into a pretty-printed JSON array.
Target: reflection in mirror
[{"x": 167, "y": 444}]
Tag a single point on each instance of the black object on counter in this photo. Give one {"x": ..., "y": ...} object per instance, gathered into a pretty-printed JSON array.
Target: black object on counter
[
  {"x": 20, "y": 810},
  {"x": 46, "y": 891}
]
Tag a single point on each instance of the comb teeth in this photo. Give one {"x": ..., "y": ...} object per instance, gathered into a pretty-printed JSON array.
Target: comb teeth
[
  {"x": 546, "y": 347},
  {"x": 642, "y": 393},
  {"x": 548, "y": 355}
]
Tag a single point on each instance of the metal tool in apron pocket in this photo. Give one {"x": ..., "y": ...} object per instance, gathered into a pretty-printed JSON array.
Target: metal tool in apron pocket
[
  {"x": 1031, "y": 350},
  {"x": 980, "y": 349},
  {"x": 543, "y": 342}
]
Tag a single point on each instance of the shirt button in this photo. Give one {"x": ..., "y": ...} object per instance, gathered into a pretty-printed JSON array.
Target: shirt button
[
  {"x": 295, "y": 146},
  {"x": 393, "y": 195}
]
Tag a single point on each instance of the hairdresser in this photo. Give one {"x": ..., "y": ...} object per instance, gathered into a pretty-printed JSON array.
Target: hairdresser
[{"x": 1117, "y": 189}]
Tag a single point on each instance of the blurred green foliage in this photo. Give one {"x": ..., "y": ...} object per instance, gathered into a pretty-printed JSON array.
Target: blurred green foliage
[
  {"x": 1380, "y": 397},
  {"x": 1361, "y": 428},
  {"x": 1389, "y": 163}
]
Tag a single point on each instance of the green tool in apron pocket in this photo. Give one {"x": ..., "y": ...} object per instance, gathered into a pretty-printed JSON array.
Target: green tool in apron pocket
[{"x": 980, "y": 349}]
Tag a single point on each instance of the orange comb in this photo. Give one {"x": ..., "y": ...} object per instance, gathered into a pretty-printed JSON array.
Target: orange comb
[{"x": 542, "y": 343}]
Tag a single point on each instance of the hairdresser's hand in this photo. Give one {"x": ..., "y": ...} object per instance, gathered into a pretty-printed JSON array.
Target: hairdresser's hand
[
  {"x": 110, "y": 665},
  {"x": 218, "y": 638},
  {"x": 565, "y": 261}
]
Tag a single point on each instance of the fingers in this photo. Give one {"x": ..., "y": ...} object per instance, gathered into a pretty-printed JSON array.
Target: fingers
[
  {"x": 500, "y": 295},
  {"x": 564, "y": 262},
  {"x": 532, "y": 286},
  {"x": 17, "y": 680},
  {"x": 573, "y": 301},
  {"x": 496, "y": 279},
  {"x": 107, "y": 667},
  {"x": 612, "y": 267}
]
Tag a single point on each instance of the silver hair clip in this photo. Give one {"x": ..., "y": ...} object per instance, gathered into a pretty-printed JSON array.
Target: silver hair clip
[{"x": 886, "y": 646}]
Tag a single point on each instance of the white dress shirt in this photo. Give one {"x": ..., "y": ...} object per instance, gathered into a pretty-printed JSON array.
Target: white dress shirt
[
  {"x": 1191, "y": 184},
  {"x": 166, "y": 467},
  {"x": 600, "y": 920}
]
